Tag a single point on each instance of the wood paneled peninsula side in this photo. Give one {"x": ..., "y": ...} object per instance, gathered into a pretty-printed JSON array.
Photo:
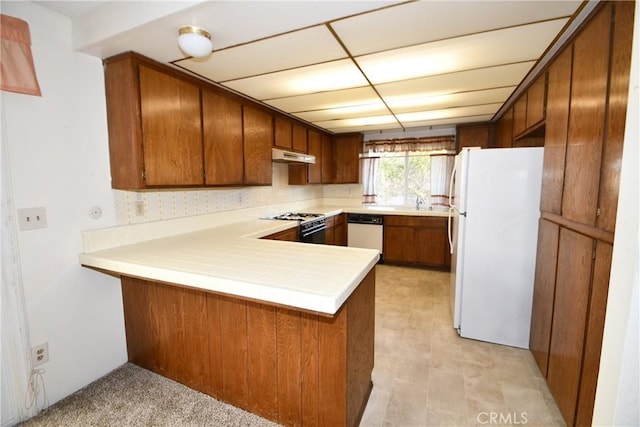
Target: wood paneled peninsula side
[{"x": 282, "y": 329}]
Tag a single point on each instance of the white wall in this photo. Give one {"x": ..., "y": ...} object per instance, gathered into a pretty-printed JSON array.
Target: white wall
[{"x": 58, "y": 157}]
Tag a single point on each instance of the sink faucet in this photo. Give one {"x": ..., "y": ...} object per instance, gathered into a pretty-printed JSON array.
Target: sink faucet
[{"x": 419, "y": 201}]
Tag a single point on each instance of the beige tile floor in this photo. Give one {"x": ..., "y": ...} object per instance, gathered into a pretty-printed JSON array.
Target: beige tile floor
[{"x": 426, "y": 375}]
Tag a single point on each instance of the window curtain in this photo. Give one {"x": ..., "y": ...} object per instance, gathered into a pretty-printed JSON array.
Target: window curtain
[
  {"x": 441, "y": 167},
  {"x": 430, "y": 143},
  {"x": 17, "y": 71},
  {"x": 369, "y": 169}
]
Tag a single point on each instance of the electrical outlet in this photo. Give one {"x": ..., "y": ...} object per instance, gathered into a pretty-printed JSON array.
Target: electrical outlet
[
  {"x": 139, "y": 204},
  {"x": 40, "y": 354},
  {"x": 32, "y": 218}
]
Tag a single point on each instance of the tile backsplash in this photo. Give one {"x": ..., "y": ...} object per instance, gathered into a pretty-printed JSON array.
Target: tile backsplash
[{"x": 143, "y": 206}]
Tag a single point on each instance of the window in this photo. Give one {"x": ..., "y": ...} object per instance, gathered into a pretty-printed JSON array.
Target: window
[
  {"x": 404, "y": 178},
  {"x": 404, "y": 172}
]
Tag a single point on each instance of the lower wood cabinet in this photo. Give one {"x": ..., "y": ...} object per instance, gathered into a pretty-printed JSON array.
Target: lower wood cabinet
[
  {"x": 416, "y": 240},
  {"x": 287, "y": 365},
  {"x": 290, "y": 235},
  {"x": 569, "y": 303},
  {"x": 336, "y": 233}
]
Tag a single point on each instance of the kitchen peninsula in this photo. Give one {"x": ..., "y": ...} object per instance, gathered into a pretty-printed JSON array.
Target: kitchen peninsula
[{"x": 282, "y": 329}]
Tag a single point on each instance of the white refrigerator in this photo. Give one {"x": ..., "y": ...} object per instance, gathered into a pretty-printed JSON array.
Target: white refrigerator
[{"x": 493, "y": 230}]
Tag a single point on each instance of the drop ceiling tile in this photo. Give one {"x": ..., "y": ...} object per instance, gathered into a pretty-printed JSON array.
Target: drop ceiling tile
[
  {"x": 300, "y": 48},
  {"x": 370, "y": 129},
  {"x": 424, "y": 21},
  {"x": 325, "y": 100},
  {"x": 451, "y": 121},
  {"x": 445, "y": 113},
  {"x": 479, "y": 97},
  {"x": 375, "y": 121},
  {"x": 498, "y": 47},
  {"x": 353, "y": 111},
  {"x": 483, "y": 78},
  {"x": 316, "y": 78}
]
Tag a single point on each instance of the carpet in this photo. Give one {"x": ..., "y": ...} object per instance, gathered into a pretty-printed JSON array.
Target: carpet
[{"x": 133, "y": 396}]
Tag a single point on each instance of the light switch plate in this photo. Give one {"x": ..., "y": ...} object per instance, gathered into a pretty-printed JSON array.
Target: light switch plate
[{"x": 32, "y": 218}]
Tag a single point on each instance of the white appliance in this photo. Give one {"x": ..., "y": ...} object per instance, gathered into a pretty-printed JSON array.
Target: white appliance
[
  {"x": 365, "y": 231},
  {"x": 493, "y": 230}
]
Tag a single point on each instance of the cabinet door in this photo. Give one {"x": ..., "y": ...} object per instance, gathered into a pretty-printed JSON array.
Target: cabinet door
[
  {"x": 555, "y": 140},
  {"x": 569, "y": 320},
  {"x": 536, "y": 101},
  {"x": 328, "y": 160},
  {"x": 398, "y": 243},
  {"x": 504, "y": 130},
  {"x": 543, "y": 293},
  {"x": 223, "y": 148},
  {"x": 347, "y": 155},
  {"x": 330, "y": 235},
  {"x": 595, "y": 330},
  {"x": 171, "y": 129},
  {"x": 473, "y": 136},
  {"x": 616, "y": 119},
  {"x": 587, "y": 119},
  {"x": 258, "y": 140},
  {"x": 431, "y": 246},
  {"x": 520, "y": 115},
  {"x": 299, "y": 138},
  {"x": 341, "y": 232},
  {"x": 283, "y": 133},
  {"x": 315, "y": 148}
]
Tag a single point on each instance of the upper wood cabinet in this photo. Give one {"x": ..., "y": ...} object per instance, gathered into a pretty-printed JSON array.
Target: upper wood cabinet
[
  {"x": 586, "y": 121},
  {"x": 168, "y": 129},
  {"x": 555, "y": 144},
  {"x": 504, "y": 130},
  {"x": 476, "y": 135},
  {"x": 616, "y": 116},
  {"x": 171, "y": 129},
  {"x": 283, "y": 133},
  {"x": 529, "y": 109},
  {"x": 223, "y": 141},
  {"x": 536, "y": 96},
  {"x": 299, "y": 142},
  {"x": 328, "y": 160},
  {"x": 347, "y": 150},
  {"x": 258, "y": 141},
  {"x": 155, "y": 133},
  {"x": 315, "y": 149},
  {"x": 520, "y": 115}
]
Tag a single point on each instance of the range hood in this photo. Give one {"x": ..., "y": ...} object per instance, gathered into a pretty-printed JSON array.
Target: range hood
[{"x": 284, "y": 156}]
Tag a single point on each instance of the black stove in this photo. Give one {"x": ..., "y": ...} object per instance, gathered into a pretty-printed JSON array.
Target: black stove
[
  {"x": 298, "y": 216},
  {"x": 312, "y": 226}
]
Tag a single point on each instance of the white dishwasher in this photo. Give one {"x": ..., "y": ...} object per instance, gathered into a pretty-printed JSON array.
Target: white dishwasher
[{"x": 365, "y": 231}]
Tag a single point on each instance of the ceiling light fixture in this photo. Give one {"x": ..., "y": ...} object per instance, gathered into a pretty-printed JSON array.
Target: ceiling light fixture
[{"x": 194, "y": 41}]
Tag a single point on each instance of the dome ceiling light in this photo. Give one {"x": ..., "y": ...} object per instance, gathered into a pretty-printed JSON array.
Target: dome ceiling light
[{"x": 194, "y": 41}]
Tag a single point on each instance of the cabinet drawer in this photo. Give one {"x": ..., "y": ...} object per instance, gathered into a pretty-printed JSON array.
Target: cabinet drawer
[{"x": 415, "y": 221}]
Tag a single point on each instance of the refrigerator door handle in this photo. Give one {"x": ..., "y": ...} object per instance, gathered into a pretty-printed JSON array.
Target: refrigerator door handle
[
  {"x": 449, "y": 225},
  {"x": 453, "y": 176}
]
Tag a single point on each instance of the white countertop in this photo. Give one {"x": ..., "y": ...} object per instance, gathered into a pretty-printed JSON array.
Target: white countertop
[{"x": 232, "y": 259}]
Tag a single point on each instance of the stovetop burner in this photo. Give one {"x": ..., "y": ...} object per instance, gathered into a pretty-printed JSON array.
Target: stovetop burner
[{"x": 297, "y": 216}]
